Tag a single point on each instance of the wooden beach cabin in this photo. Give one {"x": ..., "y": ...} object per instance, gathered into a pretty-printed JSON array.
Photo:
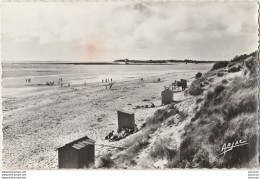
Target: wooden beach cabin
[
  {"x": 77, "y": 154},
  {"x": 167, "y": 96},
  {"x": 125, "y": 120}
]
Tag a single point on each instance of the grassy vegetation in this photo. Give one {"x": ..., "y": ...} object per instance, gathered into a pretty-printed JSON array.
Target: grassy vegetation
[
  {"x": 227, "y": 113},
  {"x": 196, "y": 87},
  {"x": 198, "y": 75},
  {"x": 234, "y": 69},
  {"x": 219, "y": 65},
  {"x": 161, "y": 150},
  {"x": 127, "y": 157},
  {"x": 140, "y": 140},
  {"x": 105, "y": 161}
]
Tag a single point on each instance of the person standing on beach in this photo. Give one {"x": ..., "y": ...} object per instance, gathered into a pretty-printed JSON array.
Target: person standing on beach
[
  {"x": 106, "y": 80},
  {"x": 111, "y": 80},
  {"x": 102, "y": 80},
  {"x": 26, "y": 80}
]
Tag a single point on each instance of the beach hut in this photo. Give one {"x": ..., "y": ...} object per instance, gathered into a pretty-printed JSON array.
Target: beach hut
[
  {"x": 77, "y": 154},
  {"x": 125, "y": 120},
  {"x": 167, "y": 96}
]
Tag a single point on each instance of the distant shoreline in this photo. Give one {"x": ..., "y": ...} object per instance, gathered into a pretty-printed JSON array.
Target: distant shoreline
[{"x": 100, "y": 63}]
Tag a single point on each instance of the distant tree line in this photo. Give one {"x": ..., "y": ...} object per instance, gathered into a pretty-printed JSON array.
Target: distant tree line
[
  {"x": 163, "y": 61},
  {"x": 219, "y": 65}
]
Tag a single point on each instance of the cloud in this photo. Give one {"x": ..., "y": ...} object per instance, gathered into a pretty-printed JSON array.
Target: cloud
[{"x": 142, "y": 30}]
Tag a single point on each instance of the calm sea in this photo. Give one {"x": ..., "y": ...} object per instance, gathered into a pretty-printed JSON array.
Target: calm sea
[{"x": 14, "y": 74}]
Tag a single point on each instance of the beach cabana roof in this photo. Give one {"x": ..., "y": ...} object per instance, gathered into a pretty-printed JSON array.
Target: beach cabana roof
[{"x": 80, "y": 143}]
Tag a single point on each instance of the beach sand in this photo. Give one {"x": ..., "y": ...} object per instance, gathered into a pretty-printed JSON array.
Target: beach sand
[{"x": 35, "y": 125}]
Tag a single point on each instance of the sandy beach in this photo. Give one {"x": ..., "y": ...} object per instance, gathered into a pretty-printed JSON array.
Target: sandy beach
[
  {"x": 35, "y": 125},
  {"x": 129, "y": 85}
]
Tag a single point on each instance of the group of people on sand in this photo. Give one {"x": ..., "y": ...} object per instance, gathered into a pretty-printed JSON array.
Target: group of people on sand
[
  {"x": 122, "y": 134},
  {"x": 61, "y": 83},
  {"x": 107, "y": 80},
  {"x": 48, "y": 83},
  {"x": 28, "y": 80}
]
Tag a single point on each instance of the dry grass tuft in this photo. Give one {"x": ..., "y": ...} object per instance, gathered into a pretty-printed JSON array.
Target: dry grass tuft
[{"x": 161, "y": 150}]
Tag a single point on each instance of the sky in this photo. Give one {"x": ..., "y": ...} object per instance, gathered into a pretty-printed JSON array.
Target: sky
[{"x": 107, "y": 31}]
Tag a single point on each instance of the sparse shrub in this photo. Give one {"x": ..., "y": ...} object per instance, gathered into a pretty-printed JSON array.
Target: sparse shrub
[
  {"x": 188, "y": 149},
  {"x": 219, "y": 65},
  {"x": 183, "y": 115},
  {"x": 211, "y": 139},
  {"x": 195, "y": 89},
  {"x": 219, "y": 89},
  {"x": 239, "y": 83},
  {"x": 134, "y": 146},
  {"x": 199, "y": 100},
  {"x": 224, "y": 81},
  {"x": 209, "y": 96},
  {"x": 231, "y": 109},
  {"x": 219, "y": 74},
  {"x": 170, "y": 121},
  {"x": 198, "y": 75},
  {"x": 105, "y": 162},
  {"x": 161, "y": 114},
  {"x": 231, "y": 64},
  {"x": 234, "y": 69},
  {"x": 194, "y": 119},
  {"x": 161, "y": 150},
  {"x": 175, "y": 162},
  {"x": 201, "y": 159},
  {"x": 211, "y": 79},
  {"x": 251, "y": 66}
]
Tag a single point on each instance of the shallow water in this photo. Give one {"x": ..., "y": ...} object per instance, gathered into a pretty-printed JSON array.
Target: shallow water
[{"x": 15, "y": 74}]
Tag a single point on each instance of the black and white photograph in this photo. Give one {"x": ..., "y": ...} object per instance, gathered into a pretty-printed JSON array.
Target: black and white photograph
[{"x": 136, "y": 85}]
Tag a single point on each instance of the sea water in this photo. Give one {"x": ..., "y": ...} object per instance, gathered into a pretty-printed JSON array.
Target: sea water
[{"x": 14, "y": 75}]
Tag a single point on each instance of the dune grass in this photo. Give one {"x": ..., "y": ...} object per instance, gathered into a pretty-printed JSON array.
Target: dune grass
[
  {"x": 219, "y": 65},
  {"x": 195, "y": 87},
  {"x": 227, "y": 114},
  {"x": 140, "y": 140},
  {"x": 161, "y": 150},
  {"x": 105, "y": 161}
]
